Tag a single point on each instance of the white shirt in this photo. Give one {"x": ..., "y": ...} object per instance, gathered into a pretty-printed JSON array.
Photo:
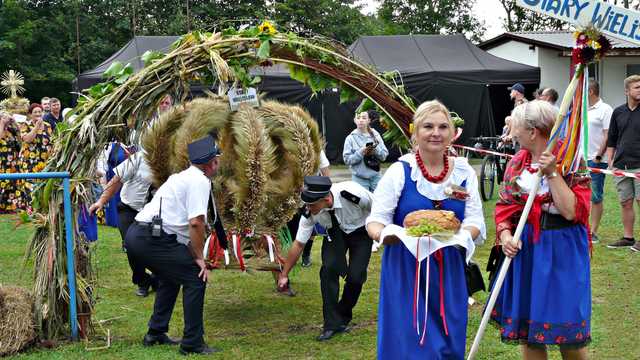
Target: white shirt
[
  {"x": 599, "y": 118},
  {"x": 526, "y": 181},
  {"x": 324, "y": 162},
  {"x": 185, "y": 196},
  {"x": 135, "y": 175},
  {"x": 350, "y": 216},
  {"x": 389, "y": 189}
]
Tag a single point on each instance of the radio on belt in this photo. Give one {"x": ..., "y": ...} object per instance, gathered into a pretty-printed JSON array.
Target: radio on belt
[{"x": 156, "y": 223}]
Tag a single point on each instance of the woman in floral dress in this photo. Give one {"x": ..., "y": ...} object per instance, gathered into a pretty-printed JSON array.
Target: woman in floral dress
[
  {"x": 10, "y": 194},
  {"x": 36, "y": 146}
]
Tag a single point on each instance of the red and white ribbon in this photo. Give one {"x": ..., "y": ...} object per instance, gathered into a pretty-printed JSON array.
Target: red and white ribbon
[
  {"x": 237, "y": 250},
  {"x": 482, "y": 151},
  {"x": 234, "y": 238},
  {"x": 616, "y": 173}
]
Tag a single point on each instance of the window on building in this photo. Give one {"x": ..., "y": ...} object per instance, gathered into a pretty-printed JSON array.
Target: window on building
[
  {"x": 594, "y": 71},
  {"x": 633, "y": 69}
]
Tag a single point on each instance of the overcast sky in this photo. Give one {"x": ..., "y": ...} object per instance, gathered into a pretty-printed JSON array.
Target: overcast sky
[{"x": 489, "y": 11}]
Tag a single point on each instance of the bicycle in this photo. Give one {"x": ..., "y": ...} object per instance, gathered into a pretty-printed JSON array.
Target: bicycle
[{"x": 493, "y": 166}]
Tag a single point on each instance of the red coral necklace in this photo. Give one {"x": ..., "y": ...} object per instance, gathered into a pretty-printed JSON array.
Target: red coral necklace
[
  {"x": 527, "y": 164},
  {"x": 434, "y": 179}
]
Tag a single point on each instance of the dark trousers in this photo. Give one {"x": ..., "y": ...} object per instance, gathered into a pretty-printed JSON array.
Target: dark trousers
[
  {"x": 139, "y": 276},
  {"x": 307, "y": 248},
  {"x": 173, "y": 264},
  {"x": 339, "y": 313}
]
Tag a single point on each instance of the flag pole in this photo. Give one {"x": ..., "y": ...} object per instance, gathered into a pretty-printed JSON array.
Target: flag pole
[{"x": 564, "y": 107}]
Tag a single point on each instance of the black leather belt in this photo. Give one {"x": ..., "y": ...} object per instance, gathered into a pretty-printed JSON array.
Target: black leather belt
[{"x": 550, "y": 221}]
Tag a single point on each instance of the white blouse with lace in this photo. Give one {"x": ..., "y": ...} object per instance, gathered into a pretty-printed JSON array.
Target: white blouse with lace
[{"x": 387, "y": 194}]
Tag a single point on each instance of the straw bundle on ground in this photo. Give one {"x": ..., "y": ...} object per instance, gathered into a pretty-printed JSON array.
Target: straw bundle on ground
[{"x": 17, "y": 328}]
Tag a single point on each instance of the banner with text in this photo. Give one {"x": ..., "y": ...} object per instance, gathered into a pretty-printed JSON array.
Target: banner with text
[{"x": 611, "y": 20}]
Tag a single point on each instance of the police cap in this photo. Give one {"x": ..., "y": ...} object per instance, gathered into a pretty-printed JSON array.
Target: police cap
[
  {"x": 315, "y": 188},
  {"x": 203, "y": 150}
]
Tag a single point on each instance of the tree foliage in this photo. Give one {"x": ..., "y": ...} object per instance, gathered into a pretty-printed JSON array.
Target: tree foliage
[
  {"x": 431, "y": 17},
  {"x": 519, "y": 19},
  {"x": 40, "y": 39},
  {"x": 338, "y": 19}
]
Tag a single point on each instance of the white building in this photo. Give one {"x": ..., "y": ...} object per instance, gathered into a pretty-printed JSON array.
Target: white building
[{"x": 551, "y": 52}]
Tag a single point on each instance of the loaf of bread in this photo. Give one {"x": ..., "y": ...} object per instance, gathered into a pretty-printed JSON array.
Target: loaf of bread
[{"x": 426, "y": 222}]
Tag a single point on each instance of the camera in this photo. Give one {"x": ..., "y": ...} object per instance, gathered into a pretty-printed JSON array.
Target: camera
[{"x": 156, "y": 226}]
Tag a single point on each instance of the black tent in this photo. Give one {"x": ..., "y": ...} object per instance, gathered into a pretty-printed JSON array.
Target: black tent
[
  {"x": 130, "y": 53},
  {"x": 450, "y": 68}
]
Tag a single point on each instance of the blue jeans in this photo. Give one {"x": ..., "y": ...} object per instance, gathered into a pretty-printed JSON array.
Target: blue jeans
[
  {"x": 597, "y": 181},
  {"x": 369, "y": 184}
]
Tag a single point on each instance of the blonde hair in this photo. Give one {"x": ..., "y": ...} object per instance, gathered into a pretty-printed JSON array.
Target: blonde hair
[
  {"x": 630, "y": 80},
  {"x": 536, "y": 114},
  {"x": 423, "y": 111},
  {"x": 427, "y": 108}
]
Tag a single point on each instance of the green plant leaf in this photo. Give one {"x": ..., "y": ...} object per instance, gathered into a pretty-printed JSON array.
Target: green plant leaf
[
  {"x": 264, "y": 50},
  {"x": 229, "y": 31},
  {"x": 251, "y": 32},
  {"x": 347, "y": 94},
  {"x": 256, "y": 80},
  {"x": 113, "y": 69},
  {"x": 150, "y": 55}
]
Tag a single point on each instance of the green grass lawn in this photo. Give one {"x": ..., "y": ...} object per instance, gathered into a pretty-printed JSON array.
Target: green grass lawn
[{"x": 247, "y": 320}]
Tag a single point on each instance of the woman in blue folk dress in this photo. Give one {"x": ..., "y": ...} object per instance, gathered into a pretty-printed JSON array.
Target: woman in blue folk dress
[
  {"x": 422, "y": 180},
  {"x": 546, "y": 296}
]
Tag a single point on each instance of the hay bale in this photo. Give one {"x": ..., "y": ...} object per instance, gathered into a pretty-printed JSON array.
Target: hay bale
[{"x": 17, "y": 327}]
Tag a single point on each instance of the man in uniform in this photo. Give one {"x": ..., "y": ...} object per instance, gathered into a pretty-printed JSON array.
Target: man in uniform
[
  {"x": 168, "y": 237},
  {"x": 342, "y": 209}
]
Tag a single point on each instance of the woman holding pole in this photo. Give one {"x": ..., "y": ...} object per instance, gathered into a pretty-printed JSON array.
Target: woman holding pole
[
  {"x": 546, "y": 296},
  {"x": 419, "y": 180}
]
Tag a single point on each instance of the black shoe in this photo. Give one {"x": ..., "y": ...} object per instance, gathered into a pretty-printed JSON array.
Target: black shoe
[
  {"x": 200, "y": 350},
  {"x": 306, "y": 261},
  {"x": 328, "y": 334},
  {"x": 594, "y": 239},
  {"x": 161, "y": 339},
  {"x": 155, "y": 282},
  {"x": 142, "y": 291},
  {"x": 622, "y": 243}
]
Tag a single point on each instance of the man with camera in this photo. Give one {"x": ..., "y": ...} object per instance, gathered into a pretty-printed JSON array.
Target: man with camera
[
  {"x": 342, "y": 209},
  {"x": 168, "y": 237}
]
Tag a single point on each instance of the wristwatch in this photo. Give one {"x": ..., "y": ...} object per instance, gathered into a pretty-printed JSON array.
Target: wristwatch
[{"x": 552, "y": 175}]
